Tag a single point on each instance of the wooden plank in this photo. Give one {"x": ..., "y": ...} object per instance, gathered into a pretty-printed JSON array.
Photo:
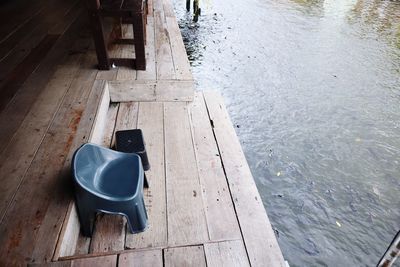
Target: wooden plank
[
  {"x": 141, "y": 258},
  {"x": 109, "y": 230},
  {"x": 150, "y": 9},
  {"x": 9, "y": 37},
  {"x": 261, "y": 244},
  {"x": 127, "y": 72},
  {"x": 226, "y": 254},
  {"x": 33, "y": 219},
  {"x": 221, "y": 217},
  {"x": 128, "y": 91},
  {"x": 22, "y": 12},
  {"x": 19, "y": 153},
  {"x": 185, "y": 256},
  {"x": 127, "y": 116},
  {"x": 103, "y": 261},
  {"x": 151, "y": 71},
  {"x": 62, "y": 25},
  {"x": 74, "y": 119},
  {"x": 127, "y": 51},
  {"x": 31, "y": 40},
  {"x": 21, "y": 72},
  {"x": 150, "y": 120},
  {"x": 109, "y": 233},
  {"x": 109, "y": 129},
  {"x": 165, "y": 63},
  {"x": 16, "y": 35},
  {"x": 161, "y": 90},
  {"x": 70, "y": 239},
  {"x": 186, "y": 217},
  {"x": 68, "y": 236},
  {"x": 181, "y": 62},
  {"x": 57, "y": 59},
  {"x": 168, "y": 8},
  {"x": 173, "y": 90}
]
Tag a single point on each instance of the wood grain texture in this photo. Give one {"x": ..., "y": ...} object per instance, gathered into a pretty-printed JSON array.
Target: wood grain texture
[
  {"x": 127, "y": 116},
  {"x": 186, "y": 215},
  {"x": 221, "y": 217},
  {"x": 78, "y": 119},
  {"x": 69, "y": 233},
  {"x": 103, "y": 261},
  {"x": 31, "y": 40},
  {"x": 55, "y": 65},
  {"x": 141, "y": 258},
  {"x": 109, "y": 233},
  {"x": 14, "y": 80},
  {"x": 150, "y": 72},
  {"x": 61, "y": 204},
  {"x": 174, "y": 90},
  {"x": 181, "y": 62},
  {"x": 185, "y": 257},
  {"x": 150, "y": 91},
  {"x": 128, "y": 91},
  {"x": 20, "y": 152},
  {"x": 109, "y": 230},
  {"x": 260, "y": 241},
  {"x": 165, "y": 62},
  {"x": 35, "y": 213},
  {"x": 150, "y": 120},
  {"x": 226, "y": 254}
]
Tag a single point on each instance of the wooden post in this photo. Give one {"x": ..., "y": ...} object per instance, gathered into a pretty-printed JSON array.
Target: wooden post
[
  {"x": 138, "y": 34},
  {"x": 98, "y": 34}
]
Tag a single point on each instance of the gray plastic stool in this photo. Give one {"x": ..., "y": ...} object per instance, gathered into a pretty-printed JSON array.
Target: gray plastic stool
[{"x": 111, "y": 182}]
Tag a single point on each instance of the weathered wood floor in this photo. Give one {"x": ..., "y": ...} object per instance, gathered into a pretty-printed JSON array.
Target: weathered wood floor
[{"x": 203, "y": 205}]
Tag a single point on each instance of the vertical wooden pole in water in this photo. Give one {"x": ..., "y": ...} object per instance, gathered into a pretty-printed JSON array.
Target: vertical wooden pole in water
[{"x": 187, "y": 5}]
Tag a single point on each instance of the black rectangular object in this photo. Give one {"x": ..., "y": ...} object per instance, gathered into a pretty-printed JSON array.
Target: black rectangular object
[{"x": 131, "y": 141}]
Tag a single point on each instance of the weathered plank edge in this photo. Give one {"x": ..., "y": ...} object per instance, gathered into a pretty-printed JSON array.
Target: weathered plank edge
[
  {"x": 71, "y": 225},
  {"x": 260, "y": 242}
]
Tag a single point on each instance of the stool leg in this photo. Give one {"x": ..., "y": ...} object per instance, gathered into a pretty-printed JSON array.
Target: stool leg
[
  {"x": 138, "y": 35},
  {"x": 86, "y": 218},
  {"x": 145, "y": 182},
  {"x": 137, "y": 217},
  {"x": 99, "y": 41}
]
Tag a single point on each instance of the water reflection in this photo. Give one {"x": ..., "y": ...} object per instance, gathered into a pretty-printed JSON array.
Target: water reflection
[
  {"x": 310, "y": 7},
  {"x": 380, "y": 17},
  {"x": 314, "y": 87}
]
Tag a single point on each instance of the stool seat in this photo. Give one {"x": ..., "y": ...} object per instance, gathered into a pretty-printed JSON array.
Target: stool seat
[{"x": 108, "y": 181}]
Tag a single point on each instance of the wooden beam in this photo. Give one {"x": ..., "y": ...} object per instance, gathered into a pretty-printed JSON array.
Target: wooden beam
[
  {"x": 185, "y": 256},
  {"x": 141, "y": 258},
  {"x": 221, "y": 217},
  {"x": 260, "y": 241},
  {"x": 185, "y": 210},
  {"x": 150, "y": 120},
  {"x": 226, "y": 254}
]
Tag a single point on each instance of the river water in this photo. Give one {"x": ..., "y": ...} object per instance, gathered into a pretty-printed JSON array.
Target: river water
[{"x": 313, "y": 89}]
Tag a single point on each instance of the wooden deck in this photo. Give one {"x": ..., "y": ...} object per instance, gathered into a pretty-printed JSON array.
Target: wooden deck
[{"x": 204, "y": 208}]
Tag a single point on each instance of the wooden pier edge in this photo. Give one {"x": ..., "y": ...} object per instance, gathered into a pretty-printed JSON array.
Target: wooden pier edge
[{"x": 258, "y": 237}]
